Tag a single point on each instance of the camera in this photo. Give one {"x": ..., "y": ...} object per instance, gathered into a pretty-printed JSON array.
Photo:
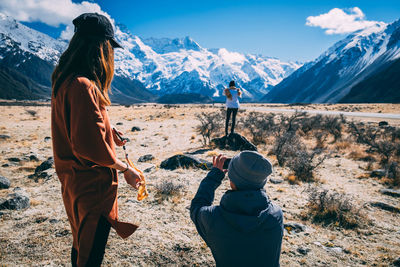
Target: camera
[{"x": 226, "y": 163}]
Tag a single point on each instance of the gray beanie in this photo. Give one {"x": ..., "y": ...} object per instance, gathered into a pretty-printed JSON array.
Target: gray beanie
[{"x": 249, "y": 170}]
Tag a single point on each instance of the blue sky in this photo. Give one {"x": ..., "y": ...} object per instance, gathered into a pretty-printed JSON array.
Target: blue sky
[{"x": 272, "y": 28}]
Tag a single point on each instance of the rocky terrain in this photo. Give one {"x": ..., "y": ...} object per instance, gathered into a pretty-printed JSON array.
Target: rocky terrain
[{"x": 34, "y": 230}]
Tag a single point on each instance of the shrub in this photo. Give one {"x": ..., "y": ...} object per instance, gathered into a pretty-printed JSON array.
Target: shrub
[
  {"x": 303, "y": 164},
  {"x": 259, "y": 126},
  {"x": 382, "y": 141},
  {"x": 167, "y": 189},
  {"x": 210, "y": 125},
  {"x": 393, "y": 170},
  {"x": 286, "y": 146},
  {"x": 332, "y": 208}
]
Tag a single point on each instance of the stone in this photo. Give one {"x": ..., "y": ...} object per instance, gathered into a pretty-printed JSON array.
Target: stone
[
  {"x": 379, "y": 173},
  {"x": 303, "y": 251},
  {"x": 47, "y": 164},
  {"x": 4, "y": 182},
  {"x": 53, "y": 221},
  {"x": 135, "y": 129},
  {"x": 383, "y": 123},
  {"x": 120, "y": 123},
  {"x": 397, "y": 262},
  {"x": 13, "y": 159},
  {"x": 185, "y": 161},
  {"x": 385, "y": 206},
  {"x": 4, "y": 137},
  {"x": 145, "y": 158},
  {"x": 47, "y": 138},
  {"x": 33, "y": 157},
  {"x": 150, "y": 169},
  {"x": 15, "y": 201},
  {"x": 234, "y": 142},
  {"x": 390, "y": 192},
  {"x": 335, "y": 249},
  {"x": 5, "y": 165},
  {"x": 62, "y": 233},
  {"x": 275, "y": 181},
  {"x": 294, "y": 227}
]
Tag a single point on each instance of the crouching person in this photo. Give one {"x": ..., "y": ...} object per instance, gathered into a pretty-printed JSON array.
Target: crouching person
[{"x": 246, "y": 228}]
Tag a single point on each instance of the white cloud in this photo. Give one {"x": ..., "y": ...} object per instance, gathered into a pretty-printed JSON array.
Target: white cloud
[
  {"x": 51, "y": 12},
  {"x": 338, "y": 21}
]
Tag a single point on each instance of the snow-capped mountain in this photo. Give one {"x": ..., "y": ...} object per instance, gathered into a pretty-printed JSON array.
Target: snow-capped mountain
[
  {"x": 156, "y": 66},
  {"x": 331, "y": 77},
  {"x": 167, "y": 66}
]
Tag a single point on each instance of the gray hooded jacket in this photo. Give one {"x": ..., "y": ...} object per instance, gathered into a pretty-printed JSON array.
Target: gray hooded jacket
[{"x": 244, "y": 230}]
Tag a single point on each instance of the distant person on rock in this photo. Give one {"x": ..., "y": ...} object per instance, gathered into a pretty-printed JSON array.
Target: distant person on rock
[
  {"x": 232, "y": 105},
  {"x": 246, "y": 228},
  {"x": 83, "y": 141}
]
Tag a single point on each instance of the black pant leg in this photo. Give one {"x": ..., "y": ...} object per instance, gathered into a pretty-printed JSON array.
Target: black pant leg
[
  {"x": 74, "y": 257},
  {"x": 228, "y": 114},
  {"x": 99, "y": 244},
  {"x": 234, "y": 112}
]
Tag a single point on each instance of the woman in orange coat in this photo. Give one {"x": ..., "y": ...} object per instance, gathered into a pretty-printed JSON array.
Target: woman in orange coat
[{"x": 83, "y": 141}]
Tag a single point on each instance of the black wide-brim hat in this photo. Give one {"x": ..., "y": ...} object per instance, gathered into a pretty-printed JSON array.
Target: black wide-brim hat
[{"x": 94, "y": 25}]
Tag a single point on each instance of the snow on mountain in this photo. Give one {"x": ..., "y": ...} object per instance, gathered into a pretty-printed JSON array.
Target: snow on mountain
[
  {"x": 331, "y": 76},
  {"x": 163, "y": 65},
  {"x": 168, "y": 66},
  {"x": 29, "y": 40}
]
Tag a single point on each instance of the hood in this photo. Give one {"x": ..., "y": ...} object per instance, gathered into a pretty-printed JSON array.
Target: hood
[{"x": 249, "y": 211}]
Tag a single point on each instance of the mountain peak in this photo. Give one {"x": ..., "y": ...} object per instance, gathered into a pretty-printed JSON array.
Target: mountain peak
[{"x": 168, "y": 45}]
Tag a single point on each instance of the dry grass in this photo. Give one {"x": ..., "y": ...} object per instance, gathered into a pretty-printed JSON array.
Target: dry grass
[{"x": 166, "y": 236}]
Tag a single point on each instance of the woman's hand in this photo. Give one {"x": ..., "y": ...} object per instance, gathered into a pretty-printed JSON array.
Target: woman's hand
[
  {"x": 218, "y": 162},
  {"x": 132, "y": 177},
  {"x": 116, "y": 138}
]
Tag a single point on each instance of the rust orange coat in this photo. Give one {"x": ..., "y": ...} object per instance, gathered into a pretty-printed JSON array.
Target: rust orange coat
[{"x": 83, "y": 146}]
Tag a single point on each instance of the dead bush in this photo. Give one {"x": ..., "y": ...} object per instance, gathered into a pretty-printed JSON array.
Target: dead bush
[
  {"x": 167, "y": 189},
  {"x": 259, "y": 126},
  {"x": 333, "y": 208},
  {"x": 303, "y": 163},
  {"x": 286, "y": 146},
  {"x": 393, "y": 170},
  {"x": 210, "y": 125},
  {"x": 383, "y": 141}
]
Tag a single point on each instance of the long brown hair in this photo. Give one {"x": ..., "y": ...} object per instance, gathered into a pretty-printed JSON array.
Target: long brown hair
[{"x": 89, "y": 57}]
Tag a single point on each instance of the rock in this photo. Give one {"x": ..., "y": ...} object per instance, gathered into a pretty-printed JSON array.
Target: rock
[
  {"x": 303, "y": 251},
  {"x": 383, "y": 123},
  {"x": 390, "y": 192},
  {"x": 150, "y": 169},
  {"x": 47, "y": 138},
  {"x": 4, "y": 182},
  {"x": 62, "y": 233},
  {"x": 185, "y": 161},
  {"x": 335, "y": 249},
  {"x": 120, "y": 123},
  {"x": 143, "y": 145},
  {"x": 33, "y": 157},
  {"x": 15, "y": 201},
  {"x": 294, "y": 227},
  {"x": 13, "y": 159},
  {"x": 397, "y": 262},
  {"x": 275, "y": 181},
  {"x": 5, "y": 165},
  {"x": 47, "y": 164},
  {"x": 53, "y": 221},
  {"x": 145, "y": 158},
  {"x": 234, "y": 142},
  {"x": 385, "y": 206},
  {"x": 4, "y": 137},
  {"x": 378, "y": 173},
  {"x": 135, "y": 129}
]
